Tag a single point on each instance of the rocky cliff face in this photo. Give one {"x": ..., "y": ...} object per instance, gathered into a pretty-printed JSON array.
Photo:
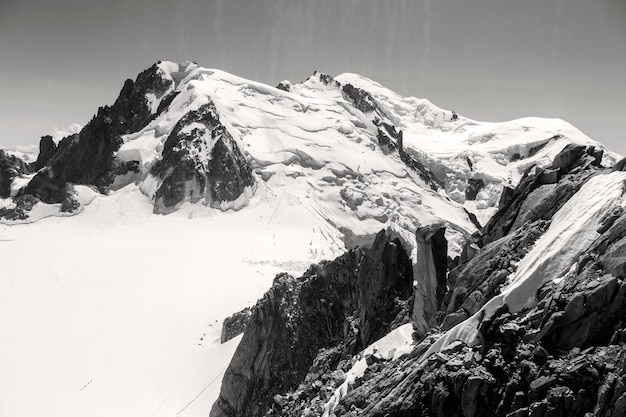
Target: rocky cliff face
[
  {"x": 88, "y": 156},
  {"x": 304, "y": 327},
  {"x": 200, "y": 161},
  {"x": 430, "y": 271},
  {"x": 10, "y": 168},
  {"x": 564, "y": 355}
]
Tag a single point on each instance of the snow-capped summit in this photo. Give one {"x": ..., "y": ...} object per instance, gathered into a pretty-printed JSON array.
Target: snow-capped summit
[{"x": 359, "y": 154}]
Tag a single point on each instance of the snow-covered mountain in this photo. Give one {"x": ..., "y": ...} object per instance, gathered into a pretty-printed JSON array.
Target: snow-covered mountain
[{"x": 126, "y": 245}]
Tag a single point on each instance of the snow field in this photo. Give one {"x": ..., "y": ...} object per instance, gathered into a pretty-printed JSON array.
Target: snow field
[{"x": 118, "y": 312}]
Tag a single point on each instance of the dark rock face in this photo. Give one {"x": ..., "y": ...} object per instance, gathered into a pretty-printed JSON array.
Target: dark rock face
[
  {"x": 503, "y": 377},
  {"x": 474, "y": 185},
  {"x": 10, "y": 167},
  {"x": 564, "y": 357},
  {"x": 201, "y": 162},
  {"x": 385, "y": 274},
  {"x": 236, "y": 324},
  {"x": 46, "y": 150},
  {"x": 308, "y": 325},
  {"x": 430, "y": 273},
  {"x": 87, "y": 157},
  {"x": 361, "y": 98},
  {"x": 476, "y": 281}
]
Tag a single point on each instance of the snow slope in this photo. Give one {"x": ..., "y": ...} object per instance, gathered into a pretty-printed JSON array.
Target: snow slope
[
  {"x": 117, "y": 312},
  {"x": 457, "y": 150},
  {"x": 315, "y": 144},
  {"x": 314, "y": 141}
]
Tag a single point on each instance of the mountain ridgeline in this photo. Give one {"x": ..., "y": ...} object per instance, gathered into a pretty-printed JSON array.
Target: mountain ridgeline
[
  {"x": 199, "y": 158},
  {"x": 484, "y": 267}
]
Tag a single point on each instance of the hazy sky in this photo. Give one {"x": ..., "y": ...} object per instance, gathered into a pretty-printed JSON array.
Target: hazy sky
[{"x": 487, "y": 59}]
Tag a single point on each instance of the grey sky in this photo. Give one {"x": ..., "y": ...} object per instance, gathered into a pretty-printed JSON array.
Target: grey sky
[{"x": 487, "y": 59}]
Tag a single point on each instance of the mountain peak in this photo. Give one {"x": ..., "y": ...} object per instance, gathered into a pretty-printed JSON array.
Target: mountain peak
[{"x": 331, "y": 138}]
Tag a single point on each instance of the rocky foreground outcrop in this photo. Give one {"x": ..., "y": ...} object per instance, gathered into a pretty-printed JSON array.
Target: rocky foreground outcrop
[
  {"x": 306, "y": 327},
  {"x": 565, "y": 355}
]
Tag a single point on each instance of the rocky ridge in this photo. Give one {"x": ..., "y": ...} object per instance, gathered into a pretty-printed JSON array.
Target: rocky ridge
[
  {"x": 313, "y": 323},
  {"x": 563, "y": 356},
  {"x": 192, "y": 167}
]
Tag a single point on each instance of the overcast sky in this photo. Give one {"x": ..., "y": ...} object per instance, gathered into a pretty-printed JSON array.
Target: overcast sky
[{"x": 489, "y": 60}]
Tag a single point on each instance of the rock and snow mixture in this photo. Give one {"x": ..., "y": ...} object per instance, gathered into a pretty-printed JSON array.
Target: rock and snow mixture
[
  {"x": 108, "y": 309},
  {"x": 546, "y": 336}
]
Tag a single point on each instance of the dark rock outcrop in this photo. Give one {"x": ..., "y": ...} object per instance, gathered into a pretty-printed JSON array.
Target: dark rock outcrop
[
  {"x": 10, "y": 167},
  {"x": 361, "y": 98},
  {"x": 481, "y": 277},
  {"x": 88, "y": 157},
  {"x": 309, "y": 324},
  {"x": 505, "y": 377},
  {"x": 23, "y": 205},
  {"x": 620, "y": 165},
  {"x": 201, "y": 160},
  {"x": 46, "y": 150},
  {"x": 236, "y": 324},
  {"x": 563, "y": 356},
  {"x": 474, "y": 185},
  {"x": 536, "y": 197},
  {"x": 284, "y": 85},
  {"x": 430, "y": 273}
]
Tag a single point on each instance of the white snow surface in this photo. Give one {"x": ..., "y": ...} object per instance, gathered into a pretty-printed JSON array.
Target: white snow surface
[
  {"x": 572, "y": 230},
  {"x": 314, "y": 143},
  {"x": 117, "y": 311},
  {"x": 456, "y": 150}
]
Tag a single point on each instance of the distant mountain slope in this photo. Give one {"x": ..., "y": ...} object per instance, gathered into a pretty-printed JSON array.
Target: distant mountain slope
[{"x": 359, "y": 154}]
